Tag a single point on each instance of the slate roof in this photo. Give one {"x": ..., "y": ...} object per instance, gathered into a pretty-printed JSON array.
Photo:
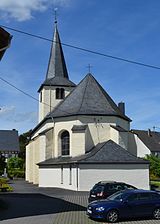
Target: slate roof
[
  {"x": 150, "y": 138},
  {"x": 58, "y": 81},
  {"x": 88, "y": 98},
  {"x": 5, "y": 39},
  {"x": 104, "y": 153},
  {"x": 57, "y": 74},
  {"x": 9, "y": 141},
  {"x": 119, "y": 128},
  {"x": 79, "y": 128}
]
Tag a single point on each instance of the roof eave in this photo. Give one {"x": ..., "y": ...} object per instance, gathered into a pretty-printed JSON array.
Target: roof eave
[
  {"x": 86, "y": 114},
  {"x": 92, "y": 162}
]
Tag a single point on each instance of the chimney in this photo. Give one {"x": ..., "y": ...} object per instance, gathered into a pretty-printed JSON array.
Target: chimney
[
  {"x": 121, "y": 106},
  {"x": 149, "y": 133}
]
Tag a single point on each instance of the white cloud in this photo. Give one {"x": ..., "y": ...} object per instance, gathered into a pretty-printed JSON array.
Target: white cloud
[
  {"x": 7, "y": 111},
  {"x": 21, "y": 10}
]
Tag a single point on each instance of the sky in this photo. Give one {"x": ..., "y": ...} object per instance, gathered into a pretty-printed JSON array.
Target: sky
[{"x": 128, "y": 29}]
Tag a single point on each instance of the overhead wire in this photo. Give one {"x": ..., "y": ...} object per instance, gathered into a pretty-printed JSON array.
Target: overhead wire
[
  {"x": 71, "y": 46},
  {"x": 84, "y": 49},
  {"x": 27, "y": 94}
]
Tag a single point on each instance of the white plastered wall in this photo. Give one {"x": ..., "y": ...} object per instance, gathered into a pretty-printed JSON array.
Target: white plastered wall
[
  {"x": 121, "y": 138},
  {"x": 36, "y": 159},
  {"x": 86, "y": 175},
  {"x": 49, "y": 101},
  {"x": 137, "y": 147},
  {"x": 78, "y": 143},
  {"x": 55, "y": 177},
  {"x": 35, "y": 153},
  {"x": 29, "y": 162},
  {"x": 134, "y": 174},
  {"x": 98, "y": 131}
]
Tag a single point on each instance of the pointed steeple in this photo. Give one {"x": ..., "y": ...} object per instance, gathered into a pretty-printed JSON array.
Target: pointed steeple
[
  {"x": 56, "y": 65},
  {"x": 57, "y": 74}
]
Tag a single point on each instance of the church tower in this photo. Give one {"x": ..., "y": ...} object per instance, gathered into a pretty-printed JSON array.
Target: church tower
[{"x": 57, "y": 84}]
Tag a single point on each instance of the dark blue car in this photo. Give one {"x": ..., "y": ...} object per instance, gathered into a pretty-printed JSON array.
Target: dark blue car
[{"x": 126, "y": 204}]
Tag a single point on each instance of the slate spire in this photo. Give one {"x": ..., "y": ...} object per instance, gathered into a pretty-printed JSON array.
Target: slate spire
[
  {"x": 56, "y": 65},
  {"x": 57, "y": 74}
]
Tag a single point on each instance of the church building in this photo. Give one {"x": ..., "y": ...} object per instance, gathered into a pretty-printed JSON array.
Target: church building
[{"x": 82, "y": 136}]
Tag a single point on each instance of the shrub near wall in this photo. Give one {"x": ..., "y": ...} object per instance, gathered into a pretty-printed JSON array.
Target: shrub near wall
[
  {"x": 15, "y": 167},
  {"x": 154, "y": 167},
  {"x": 16, "y": 173}
]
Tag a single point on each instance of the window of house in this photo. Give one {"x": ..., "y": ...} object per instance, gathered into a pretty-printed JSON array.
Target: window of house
[
  {"x": 59, "y": 93},
  {"x": 65, "y": 143}
]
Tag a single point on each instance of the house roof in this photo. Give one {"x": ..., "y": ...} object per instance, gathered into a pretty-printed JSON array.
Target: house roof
[
  {"x": 9, "y": 141},
  {"x": 88, "y": 98},
  {"x": 79, "y": 128},
  {"x": 5, "y": 39},
  {"x": 150, "y": 138},
  {"x": 103, "y": 153},
  {"x": 57, "y": 74},
  {"x": 119, "y": 128}
]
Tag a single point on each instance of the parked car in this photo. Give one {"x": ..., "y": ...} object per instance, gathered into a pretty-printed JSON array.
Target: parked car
[
  {"x": 126, "y": 204},
  {"x": 103, "y": 189}
]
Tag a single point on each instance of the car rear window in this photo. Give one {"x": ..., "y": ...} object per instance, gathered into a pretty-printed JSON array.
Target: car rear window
[
  {"x": 115, "y": 187},
  {"x": 98, "y": 189},
  {"x": 127, "y": 186}
]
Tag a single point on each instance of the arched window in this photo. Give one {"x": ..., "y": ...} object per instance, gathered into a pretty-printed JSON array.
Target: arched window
[
  {"x": 65, "y": 143},
  {"x": 59, "y": 93}
]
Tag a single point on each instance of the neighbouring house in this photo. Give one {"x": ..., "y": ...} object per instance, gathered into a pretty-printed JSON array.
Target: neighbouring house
[
  {"x": 82, "y": 136},
  {"x": 9, "y": 143},
  {"x": 150, "y": 140},
  {"x": 5, "y": 40}
]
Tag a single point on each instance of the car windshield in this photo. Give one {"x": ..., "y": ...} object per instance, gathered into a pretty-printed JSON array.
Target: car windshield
[{"x": 119, "y": 196}]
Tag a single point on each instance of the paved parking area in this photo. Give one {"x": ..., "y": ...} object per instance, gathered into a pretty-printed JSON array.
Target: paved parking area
[{"x": 28, "y": 204}]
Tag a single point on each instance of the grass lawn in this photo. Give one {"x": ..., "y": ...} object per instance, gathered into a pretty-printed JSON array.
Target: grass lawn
[{"x": 155, "y": 185}]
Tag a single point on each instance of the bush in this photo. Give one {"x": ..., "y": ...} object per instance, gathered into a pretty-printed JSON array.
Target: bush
[
  {"x": 154, "y": 166},
  {"x": 16, "y": 173},
  {"x": 15, "y": 167},
  {"x": 4, "y": 184}
]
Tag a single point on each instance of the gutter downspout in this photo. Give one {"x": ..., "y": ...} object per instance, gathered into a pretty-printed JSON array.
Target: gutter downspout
[{"x": 77, "y": 177}]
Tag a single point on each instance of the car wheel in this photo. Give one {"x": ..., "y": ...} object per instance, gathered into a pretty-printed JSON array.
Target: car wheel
[
  {"x": 112, "y": 216},
  {"x": 156, "y": 213}
]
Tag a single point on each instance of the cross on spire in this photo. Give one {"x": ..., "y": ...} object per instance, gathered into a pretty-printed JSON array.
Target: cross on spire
[
  {"x": 55, "y": 15},
  {"x": 89, "y": 68}
]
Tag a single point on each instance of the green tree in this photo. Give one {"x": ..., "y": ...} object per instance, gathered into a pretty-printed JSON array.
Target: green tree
[
  {"x": 2, "y": 164},
  {"x": 154, "y": 165},
  {"x": 23, "y": 141},
  {"x": 15, "y": 167},
  {"x": 15, "y": 163}
]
